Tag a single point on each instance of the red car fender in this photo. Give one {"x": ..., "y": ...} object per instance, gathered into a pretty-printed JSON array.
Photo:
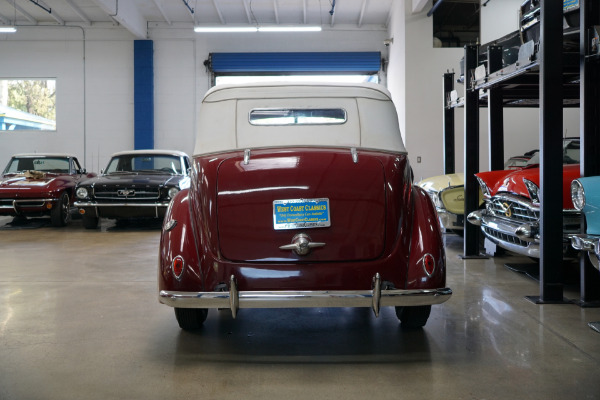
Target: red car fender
[
  {"x": 177, "y": 240},
  {"x": 426, "y": 240}
]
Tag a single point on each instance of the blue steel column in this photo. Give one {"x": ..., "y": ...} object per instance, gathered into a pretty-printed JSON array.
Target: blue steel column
[{"x": 143, "y": 66}]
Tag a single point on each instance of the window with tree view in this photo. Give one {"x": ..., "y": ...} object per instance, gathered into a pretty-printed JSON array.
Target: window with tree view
[{"x": 27, "y": 104}]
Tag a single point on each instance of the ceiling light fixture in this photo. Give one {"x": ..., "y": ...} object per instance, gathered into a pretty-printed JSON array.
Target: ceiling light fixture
[
  {"x": 289, "y": 29},
  {"x": 210, "y": 29},
  {"x": 8, "y": 29},
  {"x": 213, "y": 29}
]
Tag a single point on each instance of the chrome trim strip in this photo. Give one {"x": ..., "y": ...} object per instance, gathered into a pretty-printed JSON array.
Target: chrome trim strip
[
  {"x": 354, "y": 155},
  {"x": 90, "y": 204},
  {"x": 246, "y": 156},
  {"x": 316, "y": 298}
]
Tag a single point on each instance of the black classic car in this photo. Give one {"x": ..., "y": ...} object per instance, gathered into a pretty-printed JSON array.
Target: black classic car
[
  {"x": 35, "y": 185},
  {"x": 135, "y": 184}
]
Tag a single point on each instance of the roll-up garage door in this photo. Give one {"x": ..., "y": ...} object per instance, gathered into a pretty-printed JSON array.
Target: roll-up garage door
[{"x": 307, "y": 62}]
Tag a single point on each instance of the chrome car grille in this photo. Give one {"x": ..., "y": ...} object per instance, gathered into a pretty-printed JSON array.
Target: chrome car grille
[
  {"x": 513, "y": 210},
  {"x": 124, "y": 194},
  {"x": 504, "y": 237}
]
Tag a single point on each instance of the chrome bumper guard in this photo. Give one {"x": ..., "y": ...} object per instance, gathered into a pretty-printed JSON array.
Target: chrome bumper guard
[
  {"x": 375, "y": 298},
  {"x": 586, "y": 242},
  {"x": 449, "y": 220},
  {"x": 25, "y": 203}
]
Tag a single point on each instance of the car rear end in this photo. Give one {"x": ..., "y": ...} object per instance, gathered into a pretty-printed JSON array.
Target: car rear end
[{"x": 325, "y": 216}]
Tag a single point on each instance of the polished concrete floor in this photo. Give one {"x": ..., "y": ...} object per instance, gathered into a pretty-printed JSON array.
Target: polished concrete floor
[{"x": 79, "y": 319}]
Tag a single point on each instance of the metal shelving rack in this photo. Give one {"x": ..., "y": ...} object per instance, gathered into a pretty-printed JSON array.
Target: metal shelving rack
[{"x": 550, "y": 79}]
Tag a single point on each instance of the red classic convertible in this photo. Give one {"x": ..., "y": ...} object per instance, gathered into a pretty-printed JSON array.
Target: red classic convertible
[
  {"x": 301, "y": 196},
  {"x": 511, "y": 218},
  {"x": 40, "y": 184}
]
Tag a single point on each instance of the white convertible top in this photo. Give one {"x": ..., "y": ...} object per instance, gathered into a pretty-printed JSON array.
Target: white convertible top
[
  {"x": 59, "y": 155},
  {"x": 224, "y": 117},
  {"x": 151, "y": 152}
]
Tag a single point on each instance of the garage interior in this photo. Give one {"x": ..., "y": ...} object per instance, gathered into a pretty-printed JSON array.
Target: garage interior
[{"x": 79, "y": 316}]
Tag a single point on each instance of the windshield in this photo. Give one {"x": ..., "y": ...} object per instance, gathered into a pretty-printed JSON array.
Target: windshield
[
  {"x": 147, "y": 163},
  {"x": 59, "y": 165},
  {"x": 571, "y": 154}
]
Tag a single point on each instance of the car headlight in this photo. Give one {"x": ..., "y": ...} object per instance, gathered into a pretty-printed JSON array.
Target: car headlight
[
  {"x": 533, "y": 189},
  {"x": 484, "y": 188},
  {"x": 172, "y": 192},
  {"x": 577, "y": 194},
  {"x": 81, "y": 193}
]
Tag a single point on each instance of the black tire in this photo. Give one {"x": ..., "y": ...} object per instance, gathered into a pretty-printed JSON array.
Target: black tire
[
  {"x": 191, "y": 319},
  {"x": 89, "y": 222},
  {"x": 60, "y": 214},
  {"x": 413, "y": 317}
]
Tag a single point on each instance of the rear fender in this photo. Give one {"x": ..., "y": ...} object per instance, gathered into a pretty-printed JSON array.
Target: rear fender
[
  {"x": 426, "y": 238},
  {"x": 177, "y": 240}
]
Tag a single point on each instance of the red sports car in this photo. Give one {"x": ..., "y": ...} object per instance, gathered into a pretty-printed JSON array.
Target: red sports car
[
  {"x": 41, "y": 184},
  {"x": 301, "y": 196}
]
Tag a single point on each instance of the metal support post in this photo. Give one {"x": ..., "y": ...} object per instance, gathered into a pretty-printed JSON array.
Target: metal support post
[
  {"x": 449, "y": 151},
  {"x": 551, "y": 124},
  {"x": 471, "y": 155},
  {"x": 495, "y": 113}
]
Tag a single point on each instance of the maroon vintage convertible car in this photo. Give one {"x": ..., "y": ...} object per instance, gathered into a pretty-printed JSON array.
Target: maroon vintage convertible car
[
  {"x": 41, "y": 184},
  {"x": 301, "y": 196}
]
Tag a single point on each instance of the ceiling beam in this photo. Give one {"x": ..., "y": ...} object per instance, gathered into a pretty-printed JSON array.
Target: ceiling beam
[
  {"x": 161, "y": 9},
  {"x": 5, "y": 20},
  {"x": 46, "y": 8},
  {"x": 305, "y": 11},
  {"x": 78, "y": 11},
  {"x": 218, "y": 9},
  {"x": 418, "y": 5},
  {"x": 22, "y": 12},
  {"x": 332, "y": 13},
  {"x": 276, "y": 11},
  {"x": 127, "y": 15},
  {"x": 363, "y": 9},
  {"x": 248, "y": 12}
]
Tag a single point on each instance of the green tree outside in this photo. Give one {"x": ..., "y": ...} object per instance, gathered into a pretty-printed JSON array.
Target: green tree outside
[{"x": 33, "y": 96}]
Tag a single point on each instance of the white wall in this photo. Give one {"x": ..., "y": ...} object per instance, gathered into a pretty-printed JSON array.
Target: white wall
[
  {"x": 415, "y": 79},
  {"x": 94, "y": 73}
]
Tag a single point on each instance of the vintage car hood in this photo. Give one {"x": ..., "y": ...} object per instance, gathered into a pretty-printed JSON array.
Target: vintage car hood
[
  {"x": 437, "y": 183},
  {"x": 18, "y": 182},
  {"x": 249, "y": 194},
  {"x": 133, "y": 180},
  {"x": 511, "y": 181}
]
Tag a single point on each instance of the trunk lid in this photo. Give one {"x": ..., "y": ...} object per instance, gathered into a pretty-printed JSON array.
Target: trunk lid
[{"x": 264, "y": 203}]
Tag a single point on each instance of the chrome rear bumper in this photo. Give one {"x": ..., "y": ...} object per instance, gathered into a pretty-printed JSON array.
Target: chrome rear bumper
[{"x": 374, "y": 298}]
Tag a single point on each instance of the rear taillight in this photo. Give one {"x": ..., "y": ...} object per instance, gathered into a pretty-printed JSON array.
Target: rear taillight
[
  {"x": 178, "y": 265},
  {"x": 428, "y": 264}
]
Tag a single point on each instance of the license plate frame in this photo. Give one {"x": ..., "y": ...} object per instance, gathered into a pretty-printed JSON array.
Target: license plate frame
[{"x": 301, "y": 213}]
